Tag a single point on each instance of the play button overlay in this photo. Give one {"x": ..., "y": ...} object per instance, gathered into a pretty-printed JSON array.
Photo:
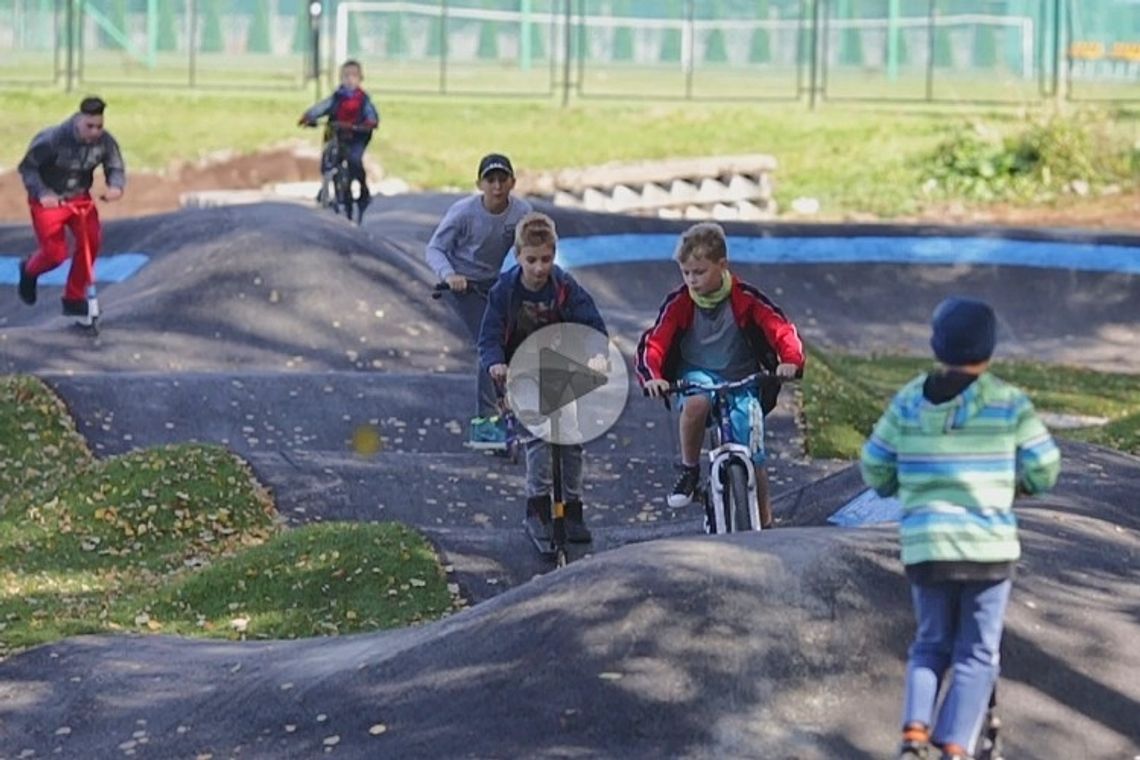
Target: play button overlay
[
  {"x": 567, "y": 384},
  {"x": 562, "y": 380}
]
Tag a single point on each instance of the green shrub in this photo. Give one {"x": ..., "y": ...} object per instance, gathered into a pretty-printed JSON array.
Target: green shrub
[{"x": 1046, "y": 158}]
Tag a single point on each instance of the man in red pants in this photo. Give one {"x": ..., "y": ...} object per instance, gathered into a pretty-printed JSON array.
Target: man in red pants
[{"x": 58, "y": 171}]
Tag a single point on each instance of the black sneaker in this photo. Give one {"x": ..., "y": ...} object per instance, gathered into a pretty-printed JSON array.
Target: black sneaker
[
  {"x": 74, "y": 307},
  {"x": 685, "y": 487},
  {"x": 27, "y": 286},
  {"x": 913, "y": 750},
  {"x": 576, "y": 530},
  {"x": 537, "y": 522}
]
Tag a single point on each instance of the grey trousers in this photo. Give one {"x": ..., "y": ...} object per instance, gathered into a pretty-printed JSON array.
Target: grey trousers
[
  {"x": 539, "y": 479},
  {"x": 470, "y": 305}
]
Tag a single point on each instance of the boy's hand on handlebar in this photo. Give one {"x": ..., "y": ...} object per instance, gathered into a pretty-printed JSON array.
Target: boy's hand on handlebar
[
  {"x": 457, "y": 283},
  {"x": 787, "y": 371},
  {"x": 113, "y": 194},
  {"x": 657, "y": 388},
  {"x": 498, "y": 373}
]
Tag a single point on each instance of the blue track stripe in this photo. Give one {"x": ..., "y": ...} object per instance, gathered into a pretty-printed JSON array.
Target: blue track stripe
[
  {"x": 110, "y": 268},
  {"x": 613, "y": 249}
]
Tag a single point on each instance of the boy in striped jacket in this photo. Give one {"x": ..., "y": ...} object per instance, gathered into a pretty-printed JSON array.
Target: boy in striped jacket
[{"x": 955, "y": 445}]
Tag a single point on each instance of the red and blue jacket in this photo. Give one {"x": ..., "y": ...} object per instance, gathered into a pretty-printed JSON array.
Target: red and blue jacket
[
  {"x": 771, "y": 335},
  {"x": 350, "y": 107}
]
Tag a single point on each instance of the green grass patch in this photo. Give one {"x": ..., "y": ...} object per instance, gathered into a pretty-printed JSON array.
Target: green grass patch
[
  {"x": 316, "y": 580},
  {"x": 850, "y": 158},
  {"x": 844, "y": 396},
  {"x": 179, "y": 539}
]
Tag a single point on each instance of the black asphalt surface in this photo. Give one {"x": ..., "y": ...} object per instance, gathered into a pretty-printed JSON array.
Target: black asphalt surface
[{"x": 278, "y": 331}]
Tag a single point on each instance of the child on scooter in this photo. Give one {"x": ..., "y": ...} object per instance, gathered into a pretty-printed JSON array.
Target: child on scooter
[
  {"x": 526, "y": 298},
  {"x": 955, "y": 445}
]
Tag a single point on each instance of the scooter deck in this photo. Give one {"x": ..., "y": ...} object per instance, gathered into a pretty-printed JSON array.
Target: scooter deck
[
  {"x": 541, "y": 545},
  {"x": 486, "y": 445}
]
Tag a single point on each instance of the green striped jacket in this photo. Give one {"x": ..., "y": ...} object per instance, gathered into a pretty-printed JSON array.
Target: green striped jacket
[{"x": 956, "y": 466}]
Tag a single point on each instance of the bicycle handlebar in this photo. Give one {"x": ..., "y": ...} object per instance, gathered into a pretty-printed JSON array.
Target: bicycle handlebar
[
  {"x": 688, "y": 388},
  {"x": 440, "y": 288},
  {"x": 337, "y": 125}
]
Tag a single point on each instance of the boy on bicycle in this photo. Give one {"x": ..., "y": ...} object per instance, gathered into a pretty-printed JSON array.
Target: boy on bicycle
[
  {"x": 352, "y": 118},
  {"x": 58, "y": 171},
  {"x": 467, "y": 251},
  {"x": 717, "y": 328},
  {"x": 955, "y": 445},
  {"x": 526, "y": 298}
]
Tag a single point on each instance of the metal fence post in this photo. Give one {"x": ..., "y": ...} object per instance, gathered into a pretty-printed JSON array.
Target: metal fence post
[
  {"x": 825, "y": 48},
  {"x": 55, "y": 42},
  {"x": 581, "y": 47},
  {"x": 442, "y": 47},
  {"x": 930, "y": 43},
  {"x": 688, "y": 56},
  {"x": 70, "y": 36},
  {"x": 1059, "y": 53},
  {"x": 814, "y": 83},
  {"x": 568, "y": 34},
  {"x": 192, "y": 39}
]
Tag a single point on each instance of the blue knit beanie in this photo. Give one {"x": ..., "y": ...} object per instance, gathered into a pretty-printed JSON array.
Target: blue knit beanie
[{"x": 965, "y": 331}]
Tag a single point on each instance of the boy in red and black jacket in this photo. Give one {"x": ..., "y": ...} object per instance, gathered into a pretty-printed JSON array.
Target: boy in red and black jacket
[
  {"x": 716, "y": 328},
  {"x": 353, "y": 115}
]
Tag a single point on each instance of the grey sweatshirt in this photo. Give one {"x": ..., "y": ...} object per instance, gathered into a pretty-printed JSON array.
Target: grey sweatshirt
[
  {"x": 472, "y": 242},
  {"x": 57, "y": 162}
]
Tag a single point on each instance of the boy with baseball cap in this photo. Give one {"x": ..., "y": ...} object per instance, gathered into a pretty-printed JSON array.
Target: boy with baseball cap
[{"x": 467, "y": 252}]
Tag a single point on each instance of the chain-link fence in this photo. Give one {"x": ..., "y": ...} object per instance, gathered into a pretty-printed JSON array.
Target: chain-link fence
[{"x": 909, "y": 50}]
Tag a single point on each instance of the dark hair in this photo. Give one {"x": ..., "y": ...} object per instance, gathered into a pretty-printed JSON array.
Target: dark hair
[
  {"x": 92, "y": 106},
  {"x": 354, "y": 63}
]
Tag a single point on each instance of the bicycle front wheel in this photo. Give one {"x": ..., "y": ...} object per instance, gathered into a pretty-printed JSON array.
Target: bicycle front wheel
[
  {"x": 737, "y": 510},
  {"x": 344, "y": 191}
]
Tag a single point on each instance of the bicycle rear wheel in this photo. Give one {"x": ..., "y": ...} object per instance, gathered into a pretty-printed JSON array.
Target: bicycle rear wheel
[{"x": 737, "y": 510}]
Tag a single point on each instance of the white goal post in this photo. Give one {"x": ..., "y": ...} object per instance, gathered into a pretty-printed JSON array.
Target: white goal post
[{"x": 1023, "y": 25}]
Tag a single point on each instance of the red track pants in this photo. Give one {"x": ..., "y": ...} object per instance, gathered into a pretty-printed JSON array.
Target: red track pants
[{"x": 49, "y": 225}]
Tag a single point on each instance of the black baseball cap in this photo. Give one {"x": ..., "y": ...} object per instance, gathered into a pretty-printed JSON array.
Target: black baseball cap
[{"x": 495, "y": 162}]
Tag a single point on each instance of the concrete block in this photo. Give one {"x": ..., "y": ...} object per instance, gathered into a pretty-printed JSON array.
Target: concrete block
[
  {"x": 741, "y": 188},
  {"x": 623, "y": 198},
  {"x": 569, "y": 200},
  {"x": 655, "y": 196},
  {"x": 712, "y": 191},
  {"x": 594, "y": 200},
  {"x": 682, "y": 191},
  {"x": 723, "y": 212}
]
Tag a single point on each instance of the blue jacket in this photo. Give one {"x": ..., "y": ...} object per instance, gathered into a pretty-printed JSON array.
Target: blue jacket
[{"x": 498, "y": 336}]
